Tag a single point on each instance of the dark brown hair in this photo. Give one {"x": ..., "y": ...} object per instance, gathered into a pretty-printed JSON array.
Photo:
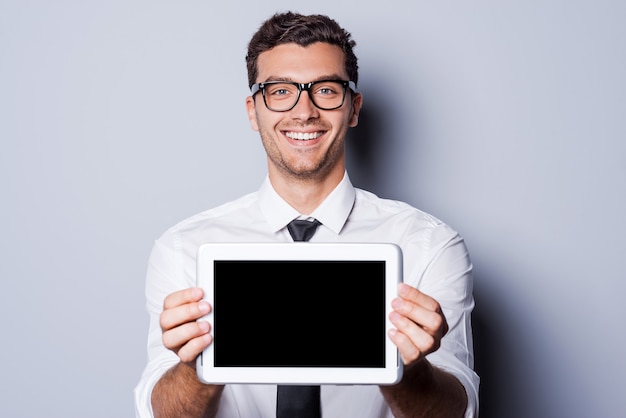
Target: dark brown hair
[{"x": 304, "y": 30}]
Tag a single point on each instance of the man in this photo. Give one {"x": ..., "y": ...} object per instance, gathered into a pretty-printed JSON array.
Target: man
[{"x": 303, "y": 75}]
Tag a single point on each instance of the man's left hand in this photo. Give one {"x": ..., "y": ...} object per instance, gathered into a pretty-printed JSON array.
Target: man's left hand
[{"x": 420, "y": 324}]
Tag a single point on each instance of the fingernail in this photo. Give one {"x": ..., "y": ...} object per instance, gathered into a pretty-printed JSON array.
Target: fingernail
[
  {"x": 403, "y": 289},
  {"x": 394, "y": 316},
  {"x": 204, "y": 327}
]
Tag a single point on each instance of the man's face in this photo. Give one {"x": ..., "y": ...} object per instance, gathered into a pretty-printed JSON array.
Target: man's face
[{"x": 320, "y": 151}]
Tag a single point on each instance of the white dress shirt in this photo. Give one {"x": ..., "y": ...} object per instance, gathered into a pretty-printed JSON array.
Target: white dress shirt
[{"x": 435, "y": 259}]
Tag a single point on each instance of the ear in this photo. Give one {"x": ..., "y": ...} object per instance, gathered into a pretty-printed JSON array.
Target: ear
[
  {"x": 357, "y": 102},
  {"x": 251, "y": 108}
]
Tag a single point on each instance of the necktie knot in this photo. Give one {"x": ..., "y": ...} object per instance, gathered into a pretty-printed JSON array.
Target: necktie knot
[{"x": 302, "y": 230}]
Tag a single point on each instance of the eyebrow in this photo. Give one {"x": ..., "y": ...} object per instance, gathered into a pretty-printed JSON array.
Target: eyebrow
[{"x": 291, "y": 80}]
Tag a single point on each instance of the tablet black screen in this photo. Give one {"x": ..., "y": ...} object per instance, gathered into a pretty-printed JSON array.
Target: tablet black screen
[{"x": 299, "y": 314}]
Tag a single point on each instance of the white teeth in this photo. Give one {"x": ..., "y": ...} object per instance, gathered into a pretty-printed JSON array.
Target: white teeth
[{"x": 302, "y": 136}]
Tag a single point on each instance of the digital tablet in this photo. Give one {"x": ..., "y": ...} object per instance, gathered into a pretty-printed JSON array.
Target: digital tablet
[{"x": 299, "y": 313}]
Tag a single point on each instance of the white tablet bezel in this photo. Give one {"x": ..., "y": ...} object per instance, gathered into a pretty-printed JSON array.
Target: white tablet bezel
[{"x": 389, "y": 253}]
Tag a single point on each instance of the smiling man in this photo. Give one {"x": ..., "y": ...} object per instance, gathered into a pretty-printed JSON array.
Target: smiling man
[{"x": 303, "y": 74}]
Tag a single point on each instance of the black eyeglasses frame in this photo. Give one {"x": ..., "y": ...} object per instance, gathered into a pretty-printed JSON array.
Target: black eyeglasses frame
[{"x": 347, "y": 84}]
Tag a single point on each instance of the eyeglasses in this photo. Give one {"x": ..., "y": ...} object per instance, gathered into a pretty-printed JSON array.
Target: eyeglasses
[{"x": 281, "y": 96}]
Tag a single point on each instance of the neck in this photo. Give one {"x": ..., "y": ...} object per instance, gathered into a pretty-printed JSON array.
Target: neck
[{"x": 305, "y": 195}]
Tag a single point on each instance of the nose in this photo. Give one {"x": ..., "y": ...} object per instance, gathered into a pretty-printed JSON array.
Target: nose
[{"x": 305, "y": 109}]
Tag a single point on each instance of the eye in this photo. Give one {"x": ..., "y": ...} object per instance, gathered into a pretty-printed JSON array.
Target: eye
[
  {"x": 280, "y": 90},
  {"x": 328, "y": 88}
]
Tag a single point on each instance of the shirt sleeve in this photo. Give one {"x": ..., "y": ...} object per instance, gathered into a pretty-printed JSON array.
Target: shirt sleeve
[
  {"x": 444, "y": 271},
  {"x": 165, "y": 275}
]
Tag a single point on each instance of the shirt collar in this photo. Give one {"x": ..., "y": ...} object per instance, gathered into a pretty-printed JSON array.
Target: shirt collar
[{"x": 333, "y": 212}]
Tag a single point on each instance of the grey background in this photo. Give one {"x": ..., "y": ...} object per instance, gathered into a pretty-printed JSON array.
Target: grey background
[{"x": 504, "y": 119}]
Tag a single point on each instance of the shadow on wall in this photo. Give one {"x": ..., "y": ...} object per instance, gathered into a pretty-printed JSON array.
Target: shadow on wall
[
  {"x": 502, "y": 349},
  {"x": 370, "y": 145},
  {"x": 383, "y": 149}
]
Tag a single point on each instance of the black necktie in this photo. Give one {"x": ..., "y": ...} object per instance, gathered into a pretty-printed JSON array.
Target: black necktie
[{"x": 299, "y": 401}]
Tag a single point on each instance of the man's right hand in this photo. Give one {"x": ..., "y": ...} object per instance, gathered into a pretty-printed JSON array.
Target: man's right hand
[
  {"x": 182, "y": 333},
  {"x": 186, "y": 337}
]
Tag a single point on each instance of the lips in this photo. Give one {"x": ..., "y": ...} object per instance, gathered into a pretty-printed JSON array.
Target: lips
[{"x": 303, "y": 136}]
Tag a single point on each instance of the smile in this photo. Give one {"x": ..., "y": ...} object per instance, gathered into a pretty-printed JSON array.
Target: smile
[{"x": 303, "y": 136}]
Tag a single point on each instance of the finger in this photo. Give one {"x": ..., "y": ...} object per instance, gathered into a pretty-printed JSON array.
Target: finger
[
  {"x": 408, "y": 351},
  {"x": 431, "y": 321},
  {"x": 177, "y": 337},
  {"x": 410, "y": 293},
  {"x": 181, "y": 297},
  {"x": 190, "y": 351},
  {"x": 418, "y": 340},
  {"x": 182, "y": 314}
]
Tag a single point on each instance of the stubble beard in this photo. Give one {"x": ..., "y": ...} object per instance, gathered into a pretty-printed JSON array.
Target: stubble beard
[{"x": 301, "y": 169}]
